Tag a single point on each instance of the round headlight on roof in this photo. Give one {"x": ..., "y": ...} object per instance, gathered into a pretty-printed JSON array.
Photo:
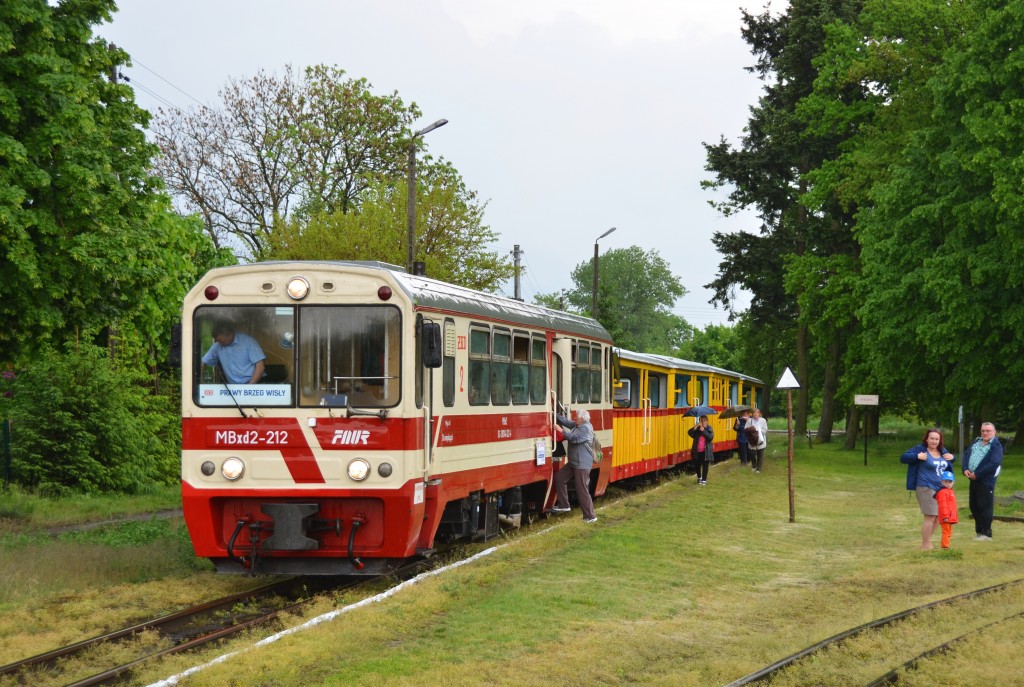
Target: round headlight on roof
[
  {"x": 232, "y": 468},
  {"x": 298, "y": 288},
  {"x": 358, "y": 469}
]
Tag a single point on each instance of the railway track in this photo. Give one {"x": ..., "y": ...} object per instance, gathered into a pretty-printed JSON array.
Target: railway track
[
  {"x": 181, "y": 631},
  {"x": 814, "y": 651}
]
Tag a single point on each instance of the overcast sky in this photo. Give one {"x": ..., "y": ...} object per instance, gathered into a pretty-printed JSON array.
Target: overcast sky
[{"x": 568, "y": 117}]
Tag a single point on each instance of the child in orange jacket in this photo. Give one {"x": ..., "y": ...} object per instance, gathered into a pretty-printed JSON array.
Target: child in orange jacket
[{"x": 947, "y": 507}]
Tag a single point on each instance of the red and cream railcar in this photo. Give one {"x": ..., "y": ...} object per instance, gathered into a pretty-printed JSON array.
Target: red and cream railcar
[{"x": 395, "y": 411}]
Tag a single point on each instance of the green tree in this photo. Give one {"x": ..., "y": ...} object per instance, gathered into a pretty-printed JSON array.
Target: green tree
[
  {"x": 716, "y": 344},
  {"x": 941, "y": 237},
  {"x": 635, "y": 297},
  {"x": 82, "y": 423},
  {"x": 85, "y": 234},
  {"x": 872, "y": 85},
  {"x": 452, "y": 239},
  {"x": 281, "y": 147},
  {"x": 768, "y": 172}
]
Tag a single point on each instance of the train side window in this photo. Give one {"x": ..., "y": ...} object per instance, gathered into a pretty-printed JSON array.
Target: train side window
[
  {"x": 595, "y": 374},
  {"x": 501, "y": 364},
  {"x": 539, "y": 371},
  {"x": 479, "y": 382},
  {"x": 520, "y": 368},
  {"x": 627, "y": 395},
  {"x": 704, "y": 390},
  {"x": 682, "y": 390},
  {"x": 581, "y": 374},
  {"x": 655, "y": 389},
  {"x": 448, "y": 365}
]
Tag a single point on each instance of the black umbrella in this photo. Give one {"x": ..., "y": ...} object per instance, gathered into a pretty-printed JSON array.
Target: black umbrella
[
  {"x": 697, "y": 411},
  {"x": 734, "y": 411}
]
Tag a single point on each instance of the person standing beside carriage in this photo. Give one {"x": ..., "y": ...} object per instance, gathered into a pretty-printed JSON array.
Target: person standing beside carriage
[
  {"x": 580, "y": 435},
  {"x": 740, "y": 427},
  {"x": 703, "y": 450}
]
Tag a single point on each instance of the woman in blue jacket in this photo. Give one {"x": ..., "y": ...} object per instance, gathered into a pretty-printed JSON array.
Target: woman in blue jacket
[
  {"x": 925, "y": 464},
  {"x": 982, "y": 463}
]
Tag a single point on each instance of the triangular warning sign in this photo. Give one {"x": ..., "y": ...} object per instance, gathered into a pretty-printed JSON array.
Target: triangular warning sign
[{"x": 788, "y": 381}]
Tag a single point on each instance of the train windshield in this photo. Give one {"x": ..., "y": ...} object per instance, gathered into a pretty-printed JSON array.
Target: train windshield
[{"x": 286, "y": 356}]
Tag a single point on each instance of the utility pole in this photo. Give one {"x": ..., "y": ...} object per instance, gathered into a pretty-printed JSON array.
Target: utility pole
[{"x": 515, "y": 261}]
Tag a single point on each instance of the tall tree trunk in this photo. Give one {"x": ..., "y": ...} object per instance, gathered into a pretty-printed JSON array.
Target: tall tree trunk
[
  {"x": 852, "y": 425},
  {"x": 828, "y": 388}
]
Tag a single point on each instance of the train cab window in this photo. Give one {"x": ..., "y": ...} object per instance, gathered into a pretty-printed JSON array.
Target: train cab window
[
  {"x": 734, "y": 393},
  {"x": 501, "y": 363},
  {"x": 538, "y": 371},
  {"x": 479, "y": 366},
  {"x": 350, "y": 353},
  {"x": 233, "y": 344},
  {"x": 520, "y": 369},
  {"x": 448, "y": 365}
]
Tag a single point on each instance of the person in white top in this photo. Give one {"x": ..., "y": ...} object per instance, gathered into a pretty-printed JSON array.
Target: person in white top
[{"x": 757, "y": 440}]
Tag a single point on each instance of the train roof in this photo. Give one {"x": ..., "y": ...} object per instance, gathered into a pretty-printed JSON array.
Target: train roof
[
  {"x": 679, "y": 363},
  {"x": 439, "y": 295}
]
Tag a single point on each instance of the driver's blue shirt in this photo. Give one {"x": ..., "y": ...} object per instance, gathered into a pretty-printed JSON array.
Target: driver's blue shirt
[{"x": 238, "y": 359}]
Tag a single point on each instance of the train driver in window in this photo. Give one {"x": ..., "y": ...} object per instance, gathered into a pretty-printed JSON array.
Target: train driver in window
[{"x": 237, "y": 355}]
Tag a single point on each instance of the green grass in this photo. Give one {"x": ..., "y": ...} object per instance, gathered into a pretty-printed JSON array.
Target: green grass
[
  {"x": 21, "y": 510},
  {"x": 678, "y": 585}
]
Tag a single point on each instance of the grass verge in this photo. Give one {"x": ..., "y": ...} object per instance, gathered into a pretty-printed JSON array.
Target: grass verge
[{"x": 680, "y": 585}]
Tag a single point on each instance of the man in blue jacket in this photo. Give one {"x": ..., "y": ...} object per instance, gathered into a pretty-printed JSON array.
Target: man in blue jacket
[{"x": 981, "y": 464}]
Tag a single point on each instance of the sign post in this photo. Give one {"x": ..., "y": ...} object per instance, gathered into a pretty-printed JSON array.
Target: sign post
[
  {"x": 788, "y": 382},
  {"x": 865, "y": 400}
]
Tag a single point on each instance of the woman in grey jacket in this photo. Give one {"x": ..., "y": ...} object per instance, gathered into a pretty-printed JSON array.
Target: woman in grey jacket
[{"x": 579, "y": 436}]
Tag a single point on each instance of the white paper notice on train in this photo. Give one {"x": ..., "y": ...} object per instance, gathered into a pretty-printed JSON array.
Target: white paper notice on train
[
  {"x": 542, "y": 453},
  {"x": 245, "y": 394}
]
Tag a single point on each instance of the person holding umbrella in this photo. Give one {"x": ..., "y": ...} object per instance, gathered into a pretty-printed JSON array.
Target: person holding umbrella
[
  {"x": 703, "y": 450},
  {"x": 740, "y": 427}
]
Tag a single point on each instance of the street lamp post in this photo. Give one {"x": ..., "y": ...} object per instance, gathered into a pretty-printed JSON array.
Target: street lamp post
[
  {"x": 593, "y": 310},
  {"x": 411, "y": 210}
]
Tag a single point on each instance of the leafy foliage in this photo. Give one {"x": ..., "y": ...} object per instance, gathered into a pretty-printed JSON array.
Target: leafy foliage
[
  {"x": 451, "y": 239},
  {"x": 636, "y": 292},
  {"x": 280, "y": 147},
  {"x": 87, "y": 240},
  {"x": 81, "y": 423}
]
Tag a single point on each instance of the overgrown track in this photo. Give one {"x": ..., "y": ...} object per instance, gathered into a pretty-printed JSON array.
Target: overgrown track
[
  {"x": 769, "y": 671},
  {"x": 192, "y": 627}
]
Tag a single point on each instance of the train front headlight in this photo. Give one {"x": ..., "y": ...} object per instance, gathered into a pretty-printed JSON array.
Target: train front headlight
[
  {"x": 358, "y": 469},
  {"x": 232, "y": 468}
]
